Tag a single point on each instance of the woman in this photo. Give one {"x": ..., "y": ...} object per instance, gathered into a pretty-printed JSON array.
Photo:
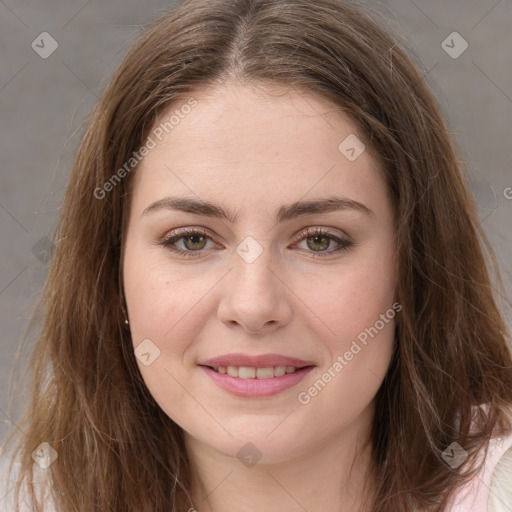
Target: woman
[{"x": 198, "y": 354}]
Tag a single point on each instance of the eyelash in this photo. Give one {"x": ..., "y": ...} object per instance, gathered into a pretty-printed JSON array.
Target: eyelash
[{"x": 177, "y": 235}]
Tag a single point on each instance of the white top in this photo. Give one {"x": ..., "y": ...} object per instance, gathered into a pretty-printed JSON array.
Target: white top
[
  {"x": 8, "y": 482},
  {"x": 491, "y": 489}
]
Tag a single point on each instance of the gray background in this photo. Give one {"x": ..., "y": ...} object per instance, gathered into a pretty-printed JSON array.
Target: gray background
[{"x": 43, "y": 104}]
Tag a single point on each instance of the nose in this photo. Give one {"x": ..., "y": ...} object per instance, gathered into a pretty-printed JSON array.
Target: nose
[{"x": 255, "y": 297}]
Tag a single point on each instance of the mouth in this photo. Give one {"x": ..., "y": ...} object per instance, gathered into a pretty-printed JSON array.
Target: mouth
[
  {"x": 255, "y": 376},
  {"x": 251, "y": 382}
]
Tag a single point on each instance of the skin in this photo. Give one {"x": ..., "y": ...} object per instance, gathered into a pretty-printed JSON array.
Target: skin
[{"x": 253, "y": 149}]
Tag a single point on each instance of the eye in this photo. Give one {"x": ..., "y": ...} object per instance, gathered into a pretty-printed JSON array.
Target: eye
[
  {"x": 319, "y": 239},
  {"x": 195, "y": 240}
]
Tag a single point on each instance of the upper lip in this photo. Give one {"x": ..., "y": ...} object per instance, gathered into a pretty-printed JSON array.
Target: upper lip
[{"x": 261, "y": 361}]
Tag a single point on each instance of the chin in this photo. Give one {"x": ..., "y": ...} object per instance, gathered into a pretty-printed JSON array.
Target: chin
[{"x": 260, "y": 445}]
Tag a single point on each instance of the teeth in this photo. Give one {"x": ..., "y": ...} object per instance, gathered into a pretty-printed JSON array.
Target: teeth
[
  {"x": 247, "y": 372},
  {"x": 279, "y": 371},
  {"x": 264, "y": 373}
]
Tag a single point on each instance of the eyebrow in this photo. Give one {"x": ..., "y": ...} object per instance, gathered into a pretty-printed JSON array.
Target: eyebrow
[{"x": 286, "y": 212}]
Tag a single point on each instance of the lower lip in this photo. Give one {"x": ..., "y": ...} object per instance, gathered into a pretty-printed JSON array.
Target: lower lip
[{"x": 250, "y": 388}]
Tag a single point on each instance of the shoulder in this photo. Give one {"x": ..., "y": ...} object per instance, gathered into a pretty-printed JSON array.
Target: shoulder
[
  {"x": 8, "y": 480},
  {"x": 7, "y": 483},
  {"x": 491, "y": 488},
  {"x": 500, "y": 495}
]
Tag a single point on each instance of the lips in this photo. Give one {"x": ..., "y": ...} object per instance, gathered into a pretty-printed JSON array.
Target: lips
[
  {"x": 256, "y": 387},
  {"x": 257, "y": 376},
  {"x": 259, "y": 361}
]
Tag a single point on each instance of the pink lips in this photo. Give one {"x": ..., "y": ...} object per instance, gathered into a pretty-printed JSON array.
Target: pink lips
[
  {"x": 255, "y": 361},
  {"x": 254, "y": 388}
]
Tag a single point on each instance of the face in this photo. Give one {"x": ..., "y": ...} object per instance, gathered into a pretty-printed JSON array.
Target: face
[{"x": 273, "y": 286}]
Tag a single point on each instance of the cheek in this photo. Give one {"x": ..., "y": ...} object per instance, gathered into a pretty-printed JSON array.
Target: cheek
[
  {"x": 165, "y": 312},
  {"x": 356, "y": 304},
  {"x": 157, "y": 296},
  {"x": 355, "y": 367},
  {"x": 350, "y": 299}
]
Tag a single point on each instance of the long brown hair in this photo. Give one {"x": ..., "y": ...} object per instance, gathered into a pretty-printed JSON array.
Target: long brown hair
[{"x": 117, "y": 450}]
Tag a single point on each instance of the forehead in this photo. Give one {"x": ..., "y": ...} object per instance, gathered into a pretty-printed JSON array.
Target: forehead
[
  {"x": 274, "y": 115},
  {"x": 254, "y": 138}
]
